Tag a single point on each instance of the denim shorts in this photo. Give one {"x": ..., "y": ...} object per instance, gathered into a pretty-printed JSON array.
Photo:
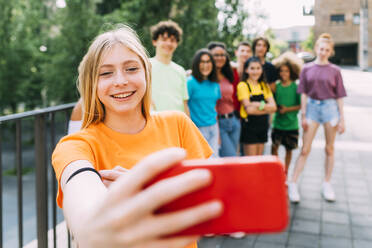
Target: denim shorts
[{"x": 322, "y": 111}]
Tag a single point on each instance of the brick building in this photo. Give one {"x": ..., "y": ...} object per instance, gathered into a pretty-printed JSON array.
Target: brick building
[{"x": 341, "y": 18}]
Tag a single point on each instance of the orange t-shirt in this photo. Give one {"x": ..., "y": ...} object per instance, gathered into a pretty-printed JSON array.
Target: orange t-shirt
[{"x": 105, "y": 148}]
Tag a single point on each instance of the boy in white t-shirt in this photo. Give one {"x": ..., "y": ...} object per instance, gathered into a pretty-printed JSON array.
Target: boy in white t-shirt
[{"x": 169, "y": 90}]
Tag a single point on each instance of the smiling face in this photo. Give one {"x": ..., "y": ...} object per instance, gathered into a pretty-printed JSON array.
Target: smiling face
[
  {"x": 254, "y": 71},
  {"x": 205, "y": 66},
  {"x": 219, "y": 56},
  {"x": 261, "y": 49},
  {"x": 121, "y": 81},
  {"x": 284, "y": 73},
  {"x": 243, "y": 53},
  {"x": 323, "y": 50},
  {"x": 165, "y": 45}
]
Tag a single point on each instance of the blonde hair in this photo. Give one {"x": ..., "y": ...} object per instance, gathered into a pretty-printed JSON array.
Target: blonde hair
[
  {"x": 93, "y": 109},
  {"x": 327, "y": 38}
]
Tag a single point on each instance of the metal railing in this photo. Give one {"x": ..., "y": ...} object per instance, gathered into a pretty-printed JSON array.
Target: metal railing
[{"x": 44, "y": 126}]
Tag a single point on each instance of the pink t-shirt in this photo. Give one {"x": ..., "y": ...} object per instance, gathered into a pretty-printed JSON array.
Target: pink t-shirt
[
  {"x": 225, "y": 104},
  {"x": 235, "y": 85},
  {"x": 321, "y": 82}
]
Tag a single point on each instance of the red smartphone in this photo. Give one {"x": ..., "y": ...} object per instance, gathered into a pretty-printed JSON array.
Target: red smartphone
[{"x": 252, "y": 190}]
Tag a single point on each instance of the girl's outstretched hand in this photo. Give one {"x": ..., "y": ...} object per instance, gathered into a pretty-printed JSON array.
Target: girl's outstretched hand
[{"x": 125, "y": 217}]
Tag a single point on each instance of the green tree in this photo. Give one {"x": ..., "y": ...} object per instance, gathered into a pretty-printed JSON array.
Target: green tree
[
  {"x": 77, "y": 25},
  {"x": 41, "y": 45},
  {"x": 198, "y": 19},
  {"x": 21, "y": 30},
  {"x": 233, "y": 15},
  {"x": 276, "y": 47},
  {"x": 308, "y": 44}
]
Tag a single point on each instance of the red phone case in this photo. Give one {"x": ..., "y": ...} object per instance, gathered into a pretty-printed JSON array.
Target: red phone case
[{"x": 252, "y": 190}]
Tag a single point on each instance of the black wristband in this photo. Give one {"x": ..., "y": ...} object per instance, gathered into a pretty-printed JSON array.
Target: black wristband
[{"x": 82, "y": 170}]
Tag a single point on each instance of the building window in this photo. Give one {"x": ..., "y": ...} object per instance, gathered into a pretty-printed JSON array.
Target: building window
[
  {"x": 356, "y": 18},
  {"x": 338, "y": 19}
]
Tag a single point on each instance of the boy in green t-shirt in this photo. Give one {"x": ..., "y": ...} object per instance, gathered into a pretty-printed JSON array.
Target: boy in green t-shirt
[
  {"x": 285, "y": 122},
  {"x": 169, "y": 89}
]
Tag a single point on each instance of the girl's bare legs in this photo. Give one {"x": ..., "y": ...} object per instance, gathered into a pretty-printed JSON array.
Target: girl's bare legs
[
  {"x": 288, "y": 158},
  {"x": 307, "y": 138},
  {"x": 274, "y": 150},
  {"x": 250, "y": 149},
  {"x": 260, "y": 148},
  {"x": 330, "y": 136}
]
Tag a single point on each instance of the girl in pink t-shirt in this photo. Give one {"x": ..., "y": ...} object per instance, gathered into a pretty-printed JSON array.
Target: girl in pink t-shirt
[
  {"x": 322, "y": 90},
  {"x": 228, "y": 122}
]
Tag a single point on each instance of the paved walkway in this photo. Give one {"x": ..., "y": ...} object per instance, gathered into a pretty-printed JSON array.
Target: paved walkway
[{"x": 314, "y": 222}]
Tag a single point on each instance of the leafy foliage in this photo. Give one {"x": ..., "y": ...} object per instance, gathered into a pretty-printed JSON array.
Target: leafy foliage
[
  {"x": 277, "y": 47},
  {"x": 42, "y": 45},
  {"x": 77, "y": 25},
  {"x": 308, "y": 44},
  {"x": 21, "y": 33}
]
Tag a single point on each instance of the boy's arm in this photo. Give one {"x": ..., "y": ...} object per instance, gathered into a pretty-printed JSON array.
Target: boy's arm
[{"x": 186, "y": 107}]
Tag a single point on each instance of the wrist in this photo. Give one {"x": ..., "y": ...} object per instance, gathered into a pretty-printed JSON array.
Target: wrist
[
  {"x": 246, "y": 108},
  {"x": 262, "y": 105}
]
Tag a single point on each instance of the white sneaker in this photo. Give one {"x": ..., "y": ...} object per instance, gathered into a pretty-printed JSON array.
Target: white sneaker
[
  {"x": 328, "y": 192},
  {"x": 294, "y": 195},
  {"x": 237, "y": 235}
]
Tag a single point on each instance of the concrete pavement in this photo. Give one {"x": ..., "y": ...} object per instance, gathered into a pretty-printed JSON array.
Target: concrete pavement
[{"x": 315, "y": 223}]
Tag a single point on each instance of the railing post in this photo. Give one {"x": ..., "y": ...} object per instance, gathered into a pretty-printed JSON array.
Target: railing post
[
  {"x": 19, "y": 181},
  {"x": 54, "y": 181},
  {"x": 1, "y": 190},
  {"x": 41, "y": 182}
]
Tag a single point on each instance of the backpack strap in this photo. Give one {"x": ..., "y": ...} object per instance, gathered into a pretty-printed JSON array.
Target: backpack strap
[{"x": 249, "y": 87}]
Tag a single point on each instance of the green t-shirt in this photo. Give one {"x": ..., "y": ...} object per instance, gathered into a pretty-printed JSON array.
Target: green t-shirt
[
  {"x": 169, "y": 89},
  {"x": 286, "y": 96}
]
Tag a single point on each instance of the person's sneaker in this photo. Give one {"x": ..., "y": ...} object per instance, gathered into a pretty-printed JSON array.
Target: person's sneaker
[
  {"x": 328, "y": 192},
  {"x": 294, "y": 195},
  {"x": 237, "y": 235}
]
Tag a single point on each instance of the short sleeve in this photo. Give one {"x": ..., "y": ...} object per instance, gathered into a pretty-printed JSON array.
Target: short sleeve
[
  {"x": 219, "y": 96},
  {"x": 192, "y": 140},
  {"x": 340, "y": 89},
  {"x": 185, "y": 93},
  {"x": 271, "y": 73},
  {"x": 242, "y": 91},
  {"x": 189, "y": 87},
  {"x": 302, "y": 85},
  {"x": 69, "y": 149}
]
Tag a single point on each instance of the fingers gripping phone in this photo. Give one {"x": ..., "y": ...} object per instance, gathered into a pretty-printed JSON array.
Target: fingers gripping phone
[{"x": 252, "y": 190}]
